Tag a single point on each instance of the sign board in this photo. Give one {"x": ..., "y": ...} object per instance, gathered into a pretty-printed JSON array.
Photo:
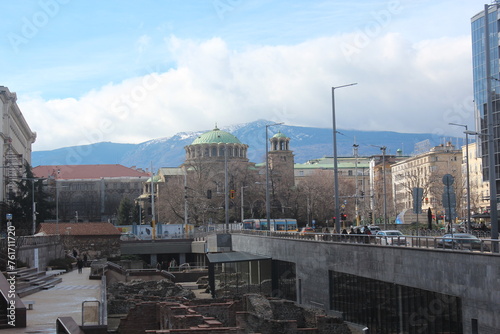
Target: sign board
[
  {"x": 448, "y": 180},
  {"x": 449, "y": 198},
  {"x": 418, "y": 194}
]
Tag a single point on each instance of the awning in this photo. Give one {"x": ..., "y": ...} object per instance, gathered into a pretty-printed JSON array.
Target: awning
[{"x": 234, "y": 257}]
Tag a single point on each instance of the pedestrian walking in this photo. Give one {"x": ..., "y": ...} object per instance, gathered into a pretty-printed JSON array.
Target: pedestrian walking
[{"x": 79, "y": 264}]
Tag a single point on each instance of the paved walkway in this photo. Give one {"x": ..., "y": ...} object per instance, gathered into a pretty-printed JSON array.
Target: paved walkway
[{"x": 64, "y": 299}]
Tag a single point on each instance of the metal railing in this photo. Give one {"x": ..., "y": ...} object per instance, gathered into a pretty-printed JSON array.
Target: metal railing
[
  {"x": 411, "y": 241},
  {"x": 194, "y": 266}
]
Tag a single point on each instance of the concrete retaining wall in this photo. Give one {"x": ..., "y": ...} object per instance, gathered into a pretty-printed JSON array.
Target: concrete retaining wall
[
  {"x": 474, "y": 277},
  {"x": 40, "y": 251}
]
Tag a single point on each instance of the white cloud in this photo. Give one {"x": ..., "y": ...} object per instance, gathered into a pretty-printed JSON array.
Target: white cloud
[{"x": 401, "y": 87}]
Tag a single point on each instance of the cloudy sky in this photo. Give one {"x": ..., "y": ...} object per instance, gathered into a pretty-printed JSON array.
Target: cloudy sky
[{"x": 130, "y": 71}]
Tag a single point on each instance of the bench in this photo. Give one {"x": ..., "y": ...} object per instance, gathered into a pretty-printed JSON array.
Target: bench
[{"x": 29, "y": 304}]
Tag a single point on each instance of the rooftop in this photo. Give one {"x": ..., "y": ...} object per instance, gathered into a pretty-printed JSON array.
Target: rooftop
[
  {"x": 216, "y": 136},
  {"x": 77, "y": 172}
]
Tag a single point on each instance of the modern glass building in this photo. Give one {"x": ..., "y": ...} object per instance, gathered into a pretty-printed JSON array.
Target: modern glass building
[{"x": 484, "y": 80}]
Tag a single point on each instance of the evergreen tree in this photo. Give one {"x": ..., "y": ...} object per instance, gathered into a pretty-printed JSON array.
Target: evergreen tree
[
  {"x": 125, "y": 211},
  {"x": 136, "y": 214},
  {"x": 30, "y": 191}
]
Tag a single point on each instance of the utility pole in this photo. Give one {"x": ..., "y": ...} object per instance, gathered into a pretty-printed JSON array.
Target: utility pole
[
  {"x": 383, "y": 148},
  {"x": 153, "y": 223},
  {"x": 356, "y": 198},
  {"x": 335, "y": 160},
  {"x": 226, "y": 190}
]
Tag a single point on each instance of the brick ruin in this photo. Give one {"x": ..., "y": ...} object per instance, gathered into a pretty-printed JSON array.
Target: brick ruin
[
  {"x": 165, "y": 307},
  {"x": 123, "y": 296}
]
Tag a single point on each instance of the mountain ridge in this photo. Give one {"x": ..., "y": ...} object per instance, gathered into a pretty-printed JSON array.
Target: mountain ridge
[{"x": 307, "y": 143}]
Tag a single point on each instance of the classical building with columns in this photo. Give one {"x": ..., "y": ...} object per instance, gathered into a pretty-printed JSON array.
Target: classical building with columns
[
  {"x": 16, "y": 139},
  {"x": 211, "y": 146}
]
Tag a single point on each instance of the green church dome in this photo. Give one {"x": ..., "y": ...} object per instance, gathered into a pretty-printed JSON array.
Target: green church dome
[
  {"x": 216, "y": 136},
  {"x": 280, "y": 135}
]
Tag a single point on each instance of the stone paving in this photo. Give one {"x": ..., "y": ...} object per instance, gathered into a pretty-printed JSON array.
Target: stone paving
[{"x": 65, "y": 299}]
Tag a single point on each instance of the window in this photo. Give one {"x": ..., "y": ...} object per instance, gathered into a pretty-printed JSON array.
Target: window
[{"x": 391, "y": 308}]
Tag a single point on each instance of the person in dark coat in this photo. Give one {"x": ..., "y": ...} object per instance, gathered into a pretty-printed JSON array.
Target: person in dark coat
[{"x": 79, "y": 264}]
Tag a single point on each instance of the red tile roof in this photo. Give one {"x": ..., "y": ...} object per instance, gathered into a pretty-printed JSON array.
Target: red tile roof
[
  {"x": 72, "y": 172},
  {"x": 79, "y": 228}
]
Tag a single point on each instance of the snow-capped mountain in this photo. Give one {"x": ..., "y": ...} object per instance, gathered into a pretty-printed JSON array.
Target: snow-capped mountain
[{"x": 306, "y": 142}]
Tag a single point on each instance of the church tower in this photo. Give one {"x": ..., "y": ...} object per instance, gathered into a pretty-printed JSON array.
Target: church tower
[{"x": 281, "y": 161}]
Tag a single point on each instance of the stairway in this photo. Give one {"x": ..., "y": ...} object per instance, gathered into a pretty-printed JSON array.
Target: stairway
[{"x": 30, "y": 280}]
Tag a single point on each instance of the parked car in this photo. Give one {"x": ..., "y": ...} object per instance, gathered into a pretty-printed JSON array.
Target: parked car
[
  {"x": 128, "y": 236},
  {"x": 391, "y": 237},
  {"x": 462, "y": 241}
]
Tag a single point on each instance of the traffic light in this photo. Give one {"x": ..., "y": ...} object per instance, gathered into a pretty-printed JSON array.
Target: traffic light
[
  {"x": 231, "y": 194},
  {"x": 370, "y": 217},
  {"x": 343, "y": 216},
  {"x": 209, "y": 194}
]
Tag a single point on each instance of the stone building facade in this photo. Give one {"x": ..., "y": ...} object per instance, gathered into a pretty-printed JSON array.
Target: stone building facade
[
  {"x": 90, "y": 192},
  {"x": 426, "y": 171},
  {"x": 16, "y": 142},
  {"x": 479, "y": 189}
]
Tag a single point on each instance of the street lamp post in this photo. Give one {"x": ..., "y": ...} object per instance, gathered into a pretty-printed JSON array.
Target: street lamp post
[
  {"x": 226, "y": 191},
  {"x": 469, "y": 227},
  {"x": 153, "y": 222},
  {"x": 383, "y": 148},
  {"x": 356, "y": 192},
  {"x": 33, "y": 204},
  {"x": 57, "y": 205},
  {"x": 335, "y": 162},
  {"x": 33, "y": 207},
  {"x": 268, "y": 200},
  {"x": 242, "y": 203}
]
